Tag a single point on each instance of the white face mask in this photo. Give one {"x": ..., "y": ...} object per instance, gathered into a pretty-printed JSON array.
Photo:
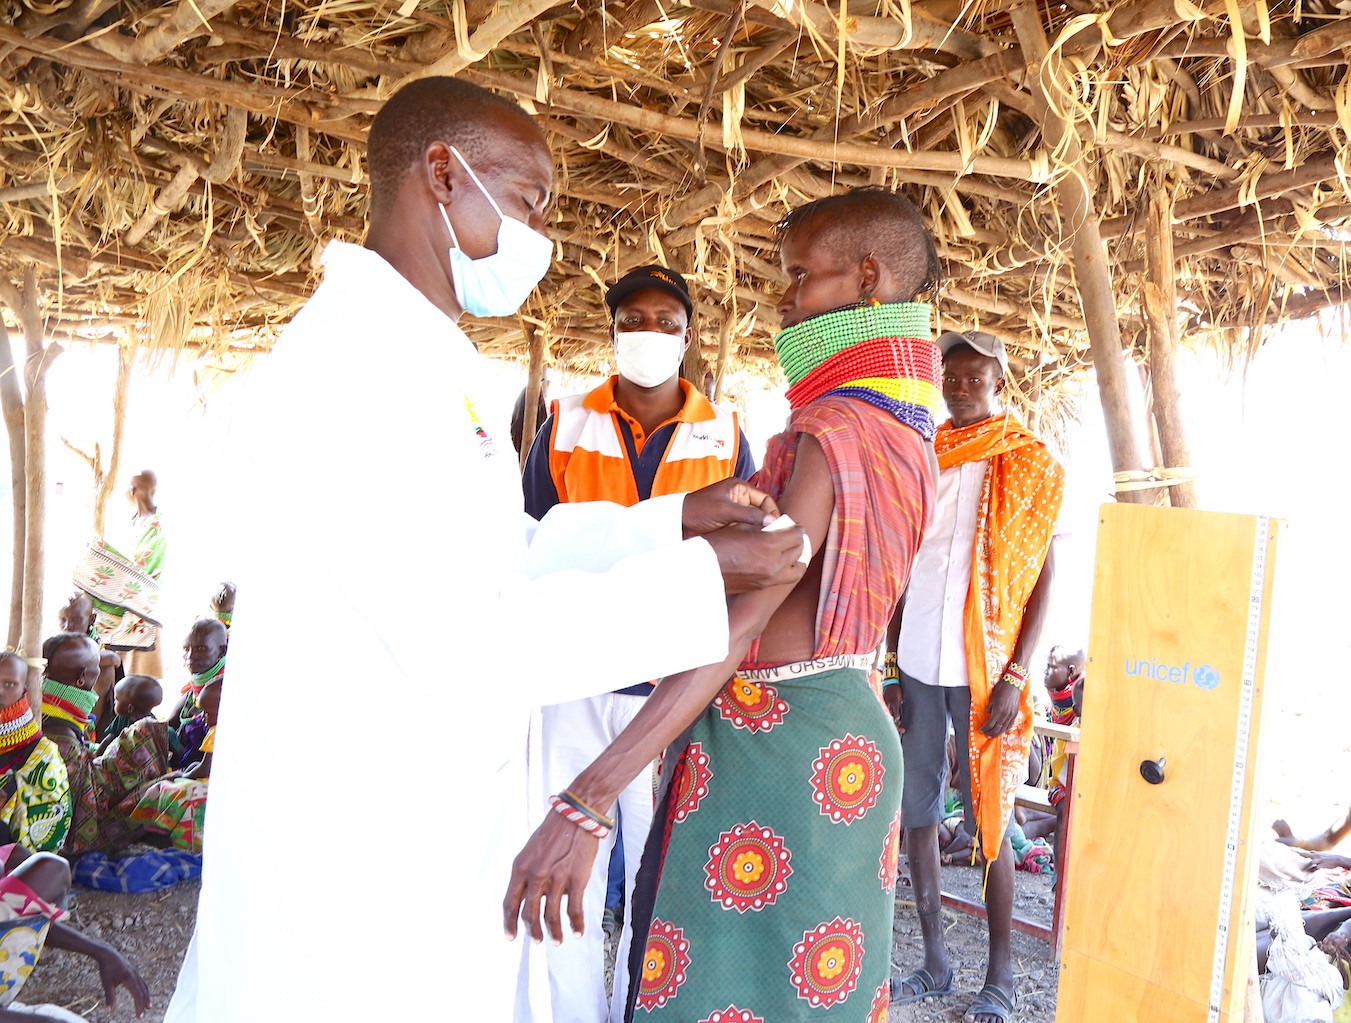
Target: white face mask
[
  {"x": 648, "y": 357},
  {"x": 496, "y": 285}
]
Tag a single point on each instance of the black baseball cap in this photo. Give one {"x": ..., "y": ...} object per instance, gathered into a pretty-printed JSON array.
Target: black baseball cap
[{"x": 653, "y": 277}]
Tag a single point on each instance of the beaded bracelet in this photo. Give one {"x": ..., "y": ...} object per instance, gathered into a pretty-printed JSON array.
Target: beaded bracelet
[
  {"x": 571, "y": 798},
  {"x": 891, "y": 671},
  {"x": 1015, "y": 675},
  {"x": 583, "y": 820}
]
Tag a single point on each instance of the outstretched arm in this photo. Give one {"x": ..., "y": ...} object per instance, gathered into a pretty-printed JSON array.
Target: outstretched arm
[
  {"x": 1320, "y": 842},
  {"x": 114, "y": 970},
  {"x": 556, "y": 862}
]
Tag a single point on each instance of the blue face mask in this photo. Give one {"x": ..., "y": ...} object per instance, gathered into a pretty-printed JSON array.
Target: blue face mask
[{"x": 498, "y": 284}]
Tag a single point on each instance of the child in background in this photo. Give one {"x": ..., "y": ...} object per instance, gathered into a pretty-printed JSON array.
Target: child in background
[{"x": 134, "y": 697}]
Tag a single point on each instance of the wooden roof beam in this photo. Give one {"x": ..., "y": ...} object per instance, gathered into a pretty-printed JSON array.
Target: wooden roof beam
[
  {"x": 1308, "y": 119},
  {"x": 297, "y": 106},
  {"x": 925, "y": 32},
  {"x": 279, "y": 46},
  {"x": 76, "y": 259},
  {"x": 1222, "y": 199},
  {"x": 862, "y": 155},
  {"x": 505, "y": 19},
  {"x": 1006, "y": 307},
  {"x": 186, "y": 20}
]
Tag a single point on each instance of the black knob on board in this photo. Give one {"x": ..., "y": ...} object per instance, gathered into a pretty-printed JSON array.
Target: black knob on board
[{"x": 1152, "y": 770}]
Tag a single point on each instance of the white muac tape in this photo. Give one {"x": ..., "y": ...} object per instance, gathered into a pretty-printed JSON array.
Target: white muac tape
[{"x": 784, "y": 522}]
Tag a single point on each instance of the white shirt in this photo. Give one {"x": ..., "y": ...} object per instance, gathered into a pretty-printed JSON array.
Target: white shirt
[
  {"x": 932, "y": 645},
  {"x": 393, "y": 635}
]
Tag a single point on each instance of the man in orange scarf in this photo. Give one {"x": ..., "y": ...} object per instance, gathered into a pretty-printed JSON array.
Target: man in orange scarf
[{"x": 968, "y": 624}]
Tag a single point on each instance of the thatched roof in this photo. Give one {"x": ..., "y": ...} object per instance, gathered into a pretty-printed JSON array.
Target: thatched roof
[{"x": 171, "y": 166}]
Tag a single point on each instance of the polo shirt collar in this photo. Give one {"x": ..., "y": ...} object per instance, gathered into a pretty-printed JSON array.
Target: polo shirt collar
[{"x": 696, "y": 409}]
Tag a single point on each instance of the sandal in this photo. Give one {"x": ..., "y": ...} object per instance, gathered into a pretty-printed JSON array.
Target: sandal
[
  {"x": 922, "y": 984},
  {"x": 992, "y": 1001}
]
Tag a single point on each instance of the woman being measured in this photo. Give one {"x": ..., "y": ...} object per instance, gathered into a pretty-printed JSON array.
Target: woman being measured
[{"x": 766, "y": 889}]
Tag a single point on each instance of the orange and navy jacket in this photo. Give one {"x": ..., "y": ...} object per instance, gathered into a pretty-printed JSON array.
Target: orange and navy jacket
[{"x": 589, "y": 449}]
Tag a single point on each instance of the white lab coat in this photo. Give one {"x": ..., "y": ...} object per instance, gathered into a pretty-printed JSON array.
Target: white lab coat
[{"x": 394, "y": 632}]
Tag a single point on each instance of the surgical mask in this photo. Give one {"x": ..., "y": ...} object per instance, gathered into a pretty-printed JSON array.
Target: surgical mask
[
  {"x": 648, "y": 357},
  {"x": 498, "y": 284}
]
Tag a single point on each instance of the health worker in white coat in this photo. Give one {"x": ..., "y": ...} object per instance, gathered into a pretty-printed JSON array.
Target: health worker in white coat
[{"x": 366, "y": 883}]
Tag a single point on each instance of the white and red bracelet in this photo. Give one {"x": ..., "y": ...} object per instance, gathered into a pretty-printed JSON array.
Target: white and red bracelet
[{"x": 589, "y": 822}]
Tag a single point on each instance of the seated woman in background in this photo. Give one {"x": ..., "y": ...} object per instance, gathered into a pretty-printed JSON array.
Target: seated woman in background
[{"x": 35, "y": 805}]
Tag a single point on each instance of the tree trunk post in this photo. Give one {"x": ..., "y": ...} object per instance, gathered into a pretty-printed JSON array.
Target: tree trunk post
[
  {"x": 1086, "y": 252},
  {"x": 11, "y": 403},
  {"x": 1160, "y": 304},
  {"x": 126, "y": 356},
  {"x": 534, "y": 384},
  {"x": 39, "y": 358},
  {"x": 729, "y": 319}
]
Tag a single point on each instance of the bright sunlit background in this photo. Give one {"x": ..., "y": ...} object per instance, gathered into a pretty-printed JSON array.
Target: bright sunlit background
[{"x": 1264, "y": 436}]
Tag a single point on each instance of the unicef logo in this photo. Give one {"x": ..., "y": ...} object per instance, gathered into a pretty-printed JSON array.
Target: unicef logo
[
  {"x": 1202, "y": 676},
  {"x": 1205, "y": 677}
]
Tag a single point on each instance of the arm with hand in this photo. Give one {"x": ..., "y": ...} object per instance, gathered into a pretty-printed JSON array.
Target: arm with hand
[
  {"x": 1321, "y": 842},
  {"x": 891, "y": 690},
  {"x": 114, "y": 970},
  {"x": 199, "y": 770},
  {"x": 1002, "y": 711},
  {"x": 556, "y": 862},
  {"x": 631, "y": 568}
]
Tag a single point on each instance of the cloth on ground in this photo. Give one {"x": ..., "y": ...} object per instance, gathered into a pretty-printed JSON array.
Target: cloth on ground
[{"x": 147, "y": 872}]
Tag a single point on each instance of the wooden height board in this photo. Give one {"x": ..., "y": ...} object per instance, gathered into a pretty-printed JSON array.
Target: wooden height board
[{"x": 1158, "y": 924}]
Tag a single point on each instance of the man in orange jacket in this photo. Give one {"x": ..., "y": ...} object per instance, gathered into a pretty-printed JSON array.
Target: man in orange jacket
[{"x": 644, "y": 432}]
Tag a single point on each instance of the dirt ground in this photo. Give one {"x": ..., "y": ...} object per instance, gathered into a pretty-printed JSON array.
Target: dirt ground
[
  {"x": 1036, "y": 975},
  {"x": 152, "y": 931}
]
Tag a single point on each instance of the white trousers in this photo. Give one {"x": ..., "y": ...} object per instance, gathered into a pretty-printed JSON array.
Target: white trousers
[{"x": 574, "y": 734}]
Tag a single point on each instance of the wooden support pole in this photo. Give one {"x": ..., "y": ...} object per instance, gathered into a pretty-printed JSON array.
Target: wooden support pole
[
  {"x": 729, "y": 319},
  {"x": 37, "y": 362},
  {"x": 1160, "y": 306},
  {"x": 11, "y": 402},
  {"x": 1096, "y": 295},
  {"x": 126, "y": 356},
  {"x": 533, "y": 386}
]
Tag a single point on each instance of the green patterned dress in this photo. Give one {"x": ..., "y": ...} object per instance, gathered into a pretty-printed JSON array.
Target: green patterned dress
[
  {"x": 767, "y": 891},
  {"x": 36, "y": 799},
  {"x": 784, "y": 808}
]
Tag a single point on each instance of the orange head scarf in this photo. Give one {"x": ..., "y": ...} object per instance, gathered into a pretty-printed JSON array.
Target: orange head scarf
[{"x": 1019, "y": 505}]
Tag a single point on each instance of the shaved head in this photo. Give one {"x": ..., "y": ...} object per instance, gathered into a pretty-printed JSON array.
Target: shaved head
[
  {"x": 873, "y": 222},
  {"x": 429, "y": 110}
]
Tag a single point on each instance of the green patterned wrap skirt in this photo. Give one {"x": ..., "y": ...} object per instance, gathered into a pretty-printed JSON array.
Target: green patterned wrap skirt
[{"x": 778, "y": 847}]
